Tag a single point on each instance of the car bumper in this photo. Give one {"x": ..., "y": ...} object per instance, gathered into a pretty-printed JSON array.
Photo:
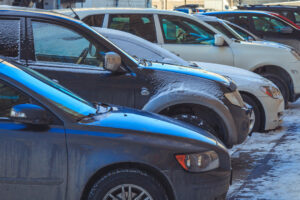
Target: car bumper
[
  {"x": 208, "y": 185},
  {"x": 241, "y": 118},
  {"x": 273, "y": 109}
]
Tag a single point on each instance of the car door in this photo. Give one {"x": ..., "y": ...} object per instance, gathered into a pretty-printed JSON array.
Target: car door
[
  {"x": 33, "y": 159},
  {"x": 269, "y": 28},
  {"x": 76, "y": 61},
  {"x": 192, "y": 41}
]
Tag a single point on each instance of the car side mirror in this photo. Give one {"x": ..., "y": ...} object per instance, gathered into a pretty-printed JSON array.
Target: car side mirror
[
  {"x": 112, "y": 61},
  {"x": 286, "y": 30},
  {"x": 219, "y": 40},
  {"x": 29, "y": 114}
]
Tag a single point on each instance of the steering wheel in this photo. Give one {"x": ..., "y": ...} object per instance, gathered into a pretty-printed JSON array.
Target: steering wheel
[{"x": 82, "y": 56}]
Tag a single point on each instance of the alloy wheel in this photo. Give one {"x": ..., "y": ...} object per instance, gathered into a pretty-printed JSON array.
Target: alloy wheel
[{"x": 127, "y": 192}]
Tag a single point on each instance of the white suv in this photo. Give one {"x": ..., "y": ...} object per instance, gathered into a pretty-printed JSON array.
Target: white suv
[{"x": 194, "y": 40}]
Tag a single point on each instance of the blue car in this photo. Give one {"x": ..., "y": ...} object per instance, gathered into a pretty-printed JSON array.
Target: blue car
[{"x": 56, "y": 145}]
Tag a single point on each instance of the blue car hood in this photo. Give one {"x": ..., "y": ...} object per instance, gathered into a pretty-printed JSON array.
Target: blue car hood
[
  {"x": 192, "y": 71},
  {"x": 131, "y": 119}
]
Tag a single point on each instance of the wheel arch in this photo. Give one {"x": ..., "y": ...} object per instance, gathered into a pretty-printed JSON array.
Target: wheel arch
[
  {"x": 157, "y": 105},
  {"x": 261, "y": 108},
  {"x": 129, "y": 165},
  {"x": 280, "y": 72},
  {"x": 221, "y": 124}
]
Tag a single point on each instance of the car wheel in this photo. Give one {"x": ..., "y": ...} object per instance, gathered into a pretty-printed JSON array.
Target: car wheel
[
  {"x": 282, "y": 86},
  {"x": 200, "y": 117},
  {"x": 255, "y": 116},
  {"x": 127, "y": 184}
]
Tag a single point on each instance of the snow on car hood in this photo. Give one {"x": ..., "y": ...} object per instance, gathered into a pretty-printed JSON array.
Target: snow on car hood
[{"x": 190, "y": 71}]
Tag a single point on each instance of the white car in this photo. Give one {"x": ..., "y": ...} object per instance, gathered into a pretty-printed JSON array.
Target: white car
[
  {"x": 260, "y": 93},
  {"x": 195, "y": 40}
]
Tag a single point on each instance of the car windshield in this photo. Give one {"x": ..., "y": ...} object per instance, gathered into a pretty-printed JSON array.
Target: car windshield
[
  {"x": 226, "y": 30},
  {"x": 240, "y": 31},
  {"x": 70, "y": 103}
]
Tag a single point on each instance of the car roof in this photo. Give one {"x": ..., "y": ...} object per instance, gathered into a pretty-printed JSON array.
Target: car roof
[
  {"x": 279, "y": 7},
  {"x": 208, "y": 18},
  {"x": 23, "y": 11},
  {"x": 237, "y": 12},
  {"x": 83, "y": 12}
]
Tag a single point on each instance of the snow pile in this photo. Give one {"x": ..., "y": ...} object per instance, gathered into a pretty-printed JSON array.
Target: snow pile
[{"x": 272, "y": 162}]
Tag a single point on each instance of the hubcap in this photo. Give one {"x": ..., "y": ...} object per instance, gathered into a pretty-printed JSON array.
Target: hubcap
[
  {"x": 252, "y": 121},
  {"x": 127, "y": 192}
]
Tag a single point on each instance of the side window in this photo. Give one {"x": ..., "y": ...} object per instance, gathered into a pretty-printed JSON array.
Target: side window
[
  {"x": 9, "y": 37},
  {"x": 243, "y": 21},
  {"x": 220, "y": 27},
  {"x": 10, "y": 97},
  {"x": 55, "y": 43},
  {"x": 267, "y": 24},
  {"x": 178, "y": 30},
  {"x": 297, "y": 16},
  {"x": 137, "y": 24},
  {"x": 94, "y": 20}
]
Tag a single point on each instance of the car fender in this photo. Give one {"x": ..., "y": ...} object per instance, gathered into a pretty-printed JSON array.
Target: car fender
[{"x": 161, "y": 102}]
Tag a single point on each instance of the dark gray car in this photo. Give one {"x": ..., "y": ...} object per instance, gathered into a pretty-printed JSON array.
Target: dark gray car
[{"x": 56, "y": 145}]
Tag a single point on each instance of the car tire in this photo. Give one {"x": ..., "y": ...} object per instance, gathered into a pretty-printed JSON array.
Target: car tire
[
  {"x": 122, "y": 179},
  {"x": 282, "y": 86},
  {"x": 200, "y": 117},
  {"x": 256, "y": 115}
]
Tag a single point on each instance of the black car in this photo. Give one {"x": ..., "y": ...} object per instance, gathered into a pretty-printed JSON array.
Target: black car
[
  {"x": 266, "y": 25},
  {"x": 290, "y": 12},
  {"x": 74, "y": 54},
  {"x": 56, "y": 145}
]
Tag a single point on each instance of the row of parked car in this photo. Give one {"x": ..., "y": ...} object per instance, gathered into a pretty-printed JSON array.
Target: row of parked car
[{"x": 195, "y": 86}]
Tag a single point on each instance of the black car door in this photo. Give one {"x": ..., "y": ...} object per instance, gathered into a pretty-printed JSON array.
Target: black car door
[
  {"x": 271, "y": 28},
  {"x": 33, "y": 160},
  {"x": 76, "y": 61}
]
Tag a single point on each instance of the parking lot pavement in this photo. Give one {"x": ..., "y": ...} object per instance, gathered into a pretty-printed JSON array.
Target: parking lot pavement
[{"x": 267, "y": 165}]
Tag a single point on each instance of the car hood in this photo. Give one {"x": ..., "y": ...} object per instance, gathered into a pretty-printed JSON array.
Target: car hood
[
  {"x": 139, "y": 121},
  {"x": 229, "y": 71},
  {"x": 268, "y": 44},
  {"x": 192, "y": 71}
]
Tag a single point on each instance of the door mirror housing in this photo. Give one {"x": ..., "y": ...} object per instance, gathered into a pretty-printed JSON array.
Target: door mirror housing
[
  {"x": 29, "y": 114},
  {"x": 112, "y": 61},
  {"x": 219, "y": 40},
  {"x": 286, "y": 30}
]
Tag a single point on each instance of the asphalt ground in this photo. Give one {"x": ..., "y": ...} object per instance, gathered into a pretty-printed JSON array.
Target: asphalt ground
[{"x": 267, "y": 165}]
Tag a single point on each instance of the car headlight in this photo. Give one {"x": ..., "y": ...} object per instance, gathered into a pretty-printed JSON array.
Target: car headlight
[
  {"x": 235, "y": 98},
  {"x": 271, "y": 91},
  {"x": 295, "y": 54},
  {"x": 199, "y": 162}
]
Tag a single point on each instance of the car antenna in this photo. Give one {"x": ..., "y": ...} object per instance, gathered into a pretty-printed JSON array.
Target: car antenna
[{"x": 76, "y": 16}]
